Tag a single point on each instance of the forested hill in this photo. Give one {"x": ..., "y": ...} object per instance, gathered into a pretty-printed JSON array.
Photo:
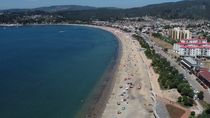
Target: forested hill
[
  {"x": 193, "y": 9},
  {"x": 183, "y": 9},
  {"x": 64, "y": 8}
]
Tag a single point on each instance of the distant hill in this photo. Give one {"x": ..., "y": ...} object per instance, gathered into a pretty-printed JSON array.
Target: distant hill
[
  {"x": 52, "y": 9},
  {"x": 192, "y": 9},
  {"x": 64, "y": 8},
  {"x": 184, "y": 9}
]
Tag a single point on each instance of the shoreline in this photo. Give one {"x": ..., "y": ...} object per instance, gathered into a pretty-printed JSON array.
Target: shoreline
[
  {"x": 99, "y": 96},
  {"x": 130, "y": 93},
  {"x": 130, "y": 65},
  {"x": 95, "y": 103}
]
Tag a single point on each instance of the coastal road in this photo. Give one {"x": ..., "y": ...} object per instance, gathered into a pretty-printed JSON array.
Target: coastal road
[{"x": 189, "y": 77}]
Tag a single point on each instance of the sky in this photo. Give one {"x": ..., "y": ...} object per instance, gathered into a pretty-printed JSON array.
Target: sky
[{"x": 7, "y": 4}]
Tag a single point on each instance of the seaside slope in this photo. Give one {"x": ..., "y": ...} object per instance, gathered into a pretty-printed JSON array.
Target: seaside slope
[{"x": 131, "y": 94}]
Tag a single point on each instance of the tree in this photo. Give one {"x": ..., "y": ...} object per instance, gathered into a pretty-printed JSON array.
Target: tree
[
  {"x": 192, "y": 113},
  {"x": 181, "y": 86},
  {"x": 208, "y": 110},
  {"x": 187, "y": 91},
  {"x": 174, "y": 83},
  {"x": 191, "y": 93},
  {"x": 187, "y": 101},
  {"x": 180, "y": 99},
  {"x": 165, "y": 49},
  {"x": 200, "y": 95}
]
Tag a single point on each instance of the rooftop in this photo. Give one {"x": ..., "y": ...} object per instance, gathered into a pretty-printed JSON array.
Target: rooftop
[
  {"x": 205, "y": 74},
  {"x": 190, "y": 60},
  {"x": 198, "y": 43},
  {"x": 193, "y": 47},
  {"x": 199, "y": 38}
]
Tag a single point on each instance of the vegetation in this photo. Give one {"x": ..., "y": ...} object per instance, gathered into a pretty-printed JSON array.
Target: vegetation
[
  {"x": 164, "y": 38},
  {"x": 169, "y": 76},
  {"x": 192, "y": 115},
  {"x": 206, "y": 113},
  {"x": 185, "y": 100},
  {"x": 192, "y": 9},
  {"x": 200, "y": 95},
  {"x": 205, "y": 34},
  {"x": 167, "y": 27}
]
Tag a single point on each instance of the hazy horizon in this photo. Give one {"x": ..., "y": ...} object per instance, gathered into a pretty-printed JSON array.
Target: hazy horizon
[{"x": 22, "y": 4}]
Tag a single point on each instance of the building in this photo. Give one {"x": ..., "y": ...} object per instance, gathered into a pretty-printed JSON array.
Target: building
[
  {"x": 194, "y": 47},
  {"x": 189, "y": 63},
  {"x": 178, "y": 34},
  {"x": 204, "y": 76}
]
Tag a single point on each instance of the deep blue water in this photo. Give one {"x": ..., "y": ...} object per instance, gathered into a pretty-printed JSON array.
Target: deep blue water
[{"x": 46, "y": 71}]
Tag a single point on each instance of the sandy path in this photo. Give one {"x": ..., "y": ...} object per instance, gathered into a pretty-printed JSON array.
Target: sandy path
[{"x": 130, "y": 97}]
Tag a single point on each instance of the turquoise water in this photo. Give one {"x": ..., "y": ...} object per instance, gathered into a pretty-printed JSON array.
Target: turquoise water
[{"x": 47, "y": 71}]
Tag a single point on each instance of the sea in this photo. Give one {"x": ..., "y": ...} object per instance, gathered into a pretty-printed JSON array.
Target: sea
[{"x": 49, "y": 71}]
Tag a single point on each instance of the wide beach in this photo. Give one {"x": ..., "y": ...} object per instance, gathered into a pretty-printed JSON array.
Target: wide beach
[{"x": 130, "y": 90}]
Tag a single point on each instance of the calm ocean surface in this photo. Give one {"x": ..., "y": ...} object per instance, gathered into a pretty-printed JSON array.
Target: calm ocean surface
[{"x": 46, "y": 71}]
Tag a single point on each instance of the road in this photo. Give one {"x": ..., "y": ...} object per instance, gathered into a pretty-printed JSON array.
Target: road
[{"x": 189, "y": 77}]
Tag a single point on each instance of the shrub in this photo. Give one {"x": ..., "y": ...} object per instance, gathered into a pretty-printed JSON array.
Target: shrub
[
  {"x": 200, "y": 95},
  {"x": 192, "y": 113}
]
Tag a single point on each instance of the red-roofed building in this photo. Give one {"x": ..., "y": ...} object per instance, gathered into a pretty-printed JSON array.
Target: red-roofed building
[
  {"x": 204, "y": 76},
  {"x": 193, "y": 47}
]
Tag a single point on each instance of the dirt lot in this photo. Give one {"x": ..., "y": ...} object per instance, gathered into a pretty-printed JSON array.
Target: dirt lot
[
  {"x": 174, "y": 112},
  {"x": 162, "y": 43}
]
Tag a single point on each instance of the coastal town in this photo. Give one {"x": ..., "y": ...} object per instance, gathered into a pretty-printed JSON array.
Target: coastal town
[
  {"x": 164, "y": 67},
  {"x": 105, "y": 59},
  {"x": 182, "y": 43}
]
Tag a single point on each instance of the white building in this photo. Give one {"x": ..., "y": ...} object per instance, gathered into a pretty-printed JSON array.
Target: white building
[
  {"x": 193, "y": 47},
  {"x": 178, "y": 33}
]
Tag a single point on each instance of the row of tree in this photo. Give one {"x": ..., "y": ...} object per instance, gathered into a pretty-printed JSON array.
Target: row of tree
[{"x": 169, "y": 76}]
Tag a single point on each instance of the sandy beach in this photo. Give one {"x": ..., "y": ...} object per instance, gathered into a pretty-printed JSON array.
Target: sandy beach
[
  {"x": 136, "y": 91},
  {"x": 131, "y": 93}
]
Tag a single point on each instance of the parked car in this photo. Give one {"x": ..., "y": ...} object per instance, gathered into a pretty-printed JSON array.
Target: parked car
[
  {"x": 205, "y": 87},
  {"x": 198, "y": 80}
]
